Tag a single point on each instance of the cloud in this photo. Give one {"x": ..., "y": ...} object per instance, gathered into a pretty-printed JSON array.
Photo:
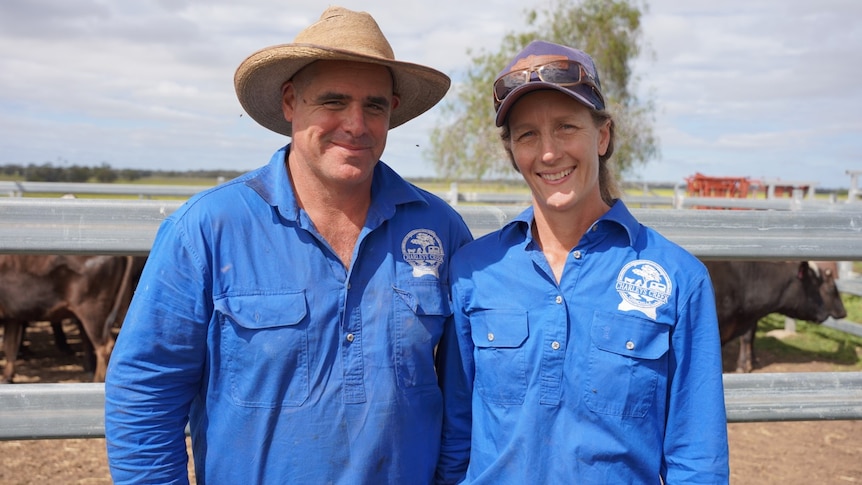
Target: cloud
[{"x": 740, "y": 86}]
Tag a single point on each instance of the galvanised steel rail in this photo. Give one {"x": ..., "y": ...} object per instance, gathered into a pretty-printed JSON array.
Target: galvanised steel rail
[
  {"x": 90, "y": 226},
  {"x": 679, "y": 199},
  {"x": 48, "y": 411}
]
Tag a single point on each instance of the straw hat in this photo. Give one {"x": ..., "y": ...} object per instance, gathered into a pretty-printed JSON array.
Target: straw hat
[{"x": 340, "y": 34}]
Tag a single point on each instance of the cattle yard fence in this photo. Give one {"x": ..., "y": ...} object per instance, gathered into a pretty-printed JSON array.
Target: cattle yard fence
[{"x": 120, "y": 227}]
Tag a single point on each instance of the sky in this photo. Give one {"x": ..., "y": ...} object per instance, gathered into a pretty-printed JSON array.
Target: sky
[{"x": 766, "y": 89}]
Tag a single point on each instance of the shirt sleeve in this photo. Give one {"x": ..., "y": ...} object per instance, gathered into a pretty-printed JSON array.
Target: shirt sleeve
[
  {"x": 695, "y": 445},
  {"x": 156, "y": 366},
  {"x": 455, "y": 370}
]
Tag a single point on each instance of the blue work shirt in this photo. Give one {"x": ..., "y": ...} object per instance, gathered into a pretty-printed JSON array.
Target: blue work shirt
[
  {"x": 288, "y": 367},
  {"x": 612, "y": 376}
]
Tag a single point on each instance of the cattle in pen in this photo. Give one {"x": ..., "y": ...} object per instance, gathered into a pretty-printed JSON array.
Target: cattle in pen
[
  {"x": 94, "y": 290},
  {"x": 746, "y": 291}
]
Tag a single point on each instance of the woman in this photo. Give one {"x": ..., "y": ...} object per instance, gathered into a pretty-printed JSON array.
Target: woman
[{"x": 588, "y": 343}]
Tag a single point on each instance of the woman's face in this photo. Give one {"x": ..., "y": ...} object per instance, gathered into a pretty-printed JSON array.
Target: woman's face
[{"x": 556, "y": 145}]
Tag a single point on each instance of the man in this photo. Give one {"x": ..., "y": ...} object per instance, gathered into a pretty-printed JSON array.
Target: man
[{"x": 290, "y": 316}]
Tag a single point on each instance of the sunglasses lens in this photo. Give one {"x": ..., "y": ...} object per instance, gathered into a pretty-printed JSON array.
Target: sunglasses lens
[
  {"x": 507, "y": 83},
  {"x": 561, "y": 73}
]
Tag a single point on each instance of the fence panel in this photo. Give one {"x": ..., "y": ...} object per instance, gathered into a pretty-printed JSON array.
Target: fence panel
[
  {"x": 55, "y": 226},
  {"x": 76, "y": 226}
]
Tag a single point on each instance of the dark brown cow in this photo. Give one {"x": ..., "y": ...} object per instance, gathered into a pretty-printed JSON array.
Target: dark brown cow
[
  {"x": 95, "y": 290},
  {"x": 746, "y": 291}
]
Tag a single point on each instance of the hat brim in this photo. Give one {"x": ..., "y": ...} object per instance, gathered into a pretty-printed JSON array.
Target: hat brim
[
  {"x": 520, "y": 91},
  {"x": 258, "y": 81}
]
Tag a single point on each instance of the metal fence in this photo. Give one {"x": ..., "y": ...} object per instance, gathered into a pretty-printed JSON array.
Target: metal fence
[
  {"x": 76, "y": 226},
  {"x": 644, "y": 197}
]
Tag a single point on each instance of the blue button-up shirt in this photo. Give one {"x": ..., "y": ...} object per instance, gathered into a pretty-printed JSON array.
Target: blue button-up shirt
[
  {"x": 288, "y": 367},
  {"x": 612, "y": 376}
]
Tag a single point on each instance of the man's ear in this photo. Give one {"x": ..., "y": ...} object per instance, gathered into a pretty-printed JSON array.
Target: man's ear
[{"x": 288, "y": 100}]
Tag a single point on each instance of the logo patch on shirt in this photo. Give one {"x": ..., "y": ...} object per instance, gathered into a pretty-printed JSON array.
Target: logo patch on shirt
[
  {"x": 423, "y": 250},
  {"x": 644, "y": 286}
]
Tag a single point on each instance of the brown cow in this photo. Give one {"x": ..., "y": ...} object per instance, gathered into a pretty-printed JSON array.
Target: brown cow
[
  {"x": 746, "y": 291},
  {"x": 95, "y": 290}
]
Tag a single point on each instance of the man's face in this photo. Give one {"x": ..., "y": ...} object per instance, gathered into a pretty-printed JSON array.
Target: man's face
[{"x": 340, "y": 114}]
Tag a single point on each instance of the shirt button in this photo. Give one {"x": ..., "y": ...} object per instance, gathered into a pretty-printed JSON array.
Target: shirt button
[
  {"x": 555, "y": 345},
  {"x": 558, "y": 299},
  {"x": 577, "y": 254},
  {"x": 490, "y": 337},
  {"x": 630, "y": 345},
  {"x": 350, "y": 337}
]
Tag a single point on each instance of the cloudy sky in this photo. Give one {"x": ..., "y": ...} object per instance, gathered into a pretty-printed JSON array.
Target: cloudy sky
[{"x": 759, "y": 88}]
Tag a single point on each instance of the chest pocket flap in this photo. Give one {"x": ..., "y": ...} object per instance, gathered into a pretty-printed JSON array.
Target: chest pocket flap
[
  {"x": 499, "y": 328},
  {"x": 259, "y": 311},
  {"x": 631, "y": 336}
]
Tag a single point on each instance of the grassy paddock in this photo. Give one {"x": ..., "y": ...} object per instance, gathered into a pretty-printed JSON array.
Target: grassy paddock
[{"x": 813, "y": 341}]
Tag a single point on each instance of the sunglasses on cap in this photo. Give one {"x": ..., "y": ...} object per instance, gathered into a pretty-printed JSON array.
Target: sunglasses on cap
[{"x": 562, "y": 72}]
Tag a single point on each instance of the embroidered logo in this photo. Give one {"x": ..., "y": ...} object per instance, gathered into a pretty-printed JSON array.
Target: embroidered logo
[
  {"x": 644, "y": 286},
  {"x": 423, "y": 250}
]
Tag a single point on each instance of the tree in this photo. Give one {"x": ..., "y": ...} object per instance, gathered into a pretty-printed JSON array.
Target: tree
[
  {"x": 104, "y": 173},
  {"x": 468, "y": 145}
]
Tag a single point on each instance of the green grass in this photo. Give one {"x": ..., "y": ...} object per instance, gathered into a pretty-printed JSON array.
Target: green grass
[
  {"x": 853, "y": 304},
  {"x": 813, "y": 342}
]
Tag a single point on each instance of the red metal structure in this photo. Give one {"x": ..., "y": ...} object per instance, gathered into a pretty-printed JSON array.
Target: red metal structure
[{"x": 700, "y": 185}]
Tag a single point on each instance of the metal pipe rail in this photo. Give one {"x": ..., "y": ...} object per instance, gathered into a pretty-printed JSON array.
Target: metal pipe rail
[
  {"x": 54, "y": 411},
  {"x": 82, "y": 226}
]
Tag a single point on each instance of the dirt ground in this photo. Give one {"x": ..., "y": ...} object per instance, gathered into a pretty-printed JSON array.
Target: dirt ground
[{"x": 784, "y": 453}]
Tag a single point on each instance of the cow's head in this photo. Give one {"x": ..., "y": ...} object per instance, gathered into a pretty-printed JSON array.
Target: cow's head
[{"x": 822, "y": 299}]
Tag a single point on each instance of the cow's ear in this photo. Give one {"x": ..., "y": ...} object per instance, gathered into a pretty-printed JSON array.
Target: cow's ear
[{"x": 803, "y": 270}]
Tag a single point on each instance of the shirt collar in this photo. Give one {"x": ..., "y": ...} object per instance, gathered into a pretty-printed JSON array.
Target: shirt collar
[
  {"x": 618, "y": 214},
  {"x": 388, "y": 189}
]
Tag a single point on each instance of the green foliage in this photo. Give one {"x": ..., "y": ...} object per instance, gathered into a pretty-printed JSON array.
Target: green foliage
[
  {"x": 104, "y": 173},
  {"x": 467, "y": 145}
]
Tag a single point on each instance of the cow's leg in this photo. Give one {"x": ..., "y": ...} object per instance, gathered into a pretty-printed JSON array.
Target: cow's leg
[
  {"x": 746, "y": 351},
  {"x": 12, "y": 332},
  {"x": 103, "y": 353},
  {"x": 24, "y": 351},
  {"x": 60, "y": 340},
  {"x": 89, "y": 352},
  {"x": 89, "y": 363},
  {"x": 100, "y": 344}
]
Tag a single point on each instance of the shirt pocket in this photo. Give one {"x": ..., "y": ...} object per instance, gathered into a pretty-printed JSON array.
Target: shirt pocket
[
  {"x": 421, "y": 309},
  {"x": 627, "y": 358},
  {"x": 499, "y": 338},
  {"x": 264, "y": 345}
]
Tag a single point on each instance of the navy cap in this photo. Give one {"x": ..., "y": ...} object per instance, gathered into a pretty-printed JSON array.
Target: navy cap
[{"x": 584, "y": 93}]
